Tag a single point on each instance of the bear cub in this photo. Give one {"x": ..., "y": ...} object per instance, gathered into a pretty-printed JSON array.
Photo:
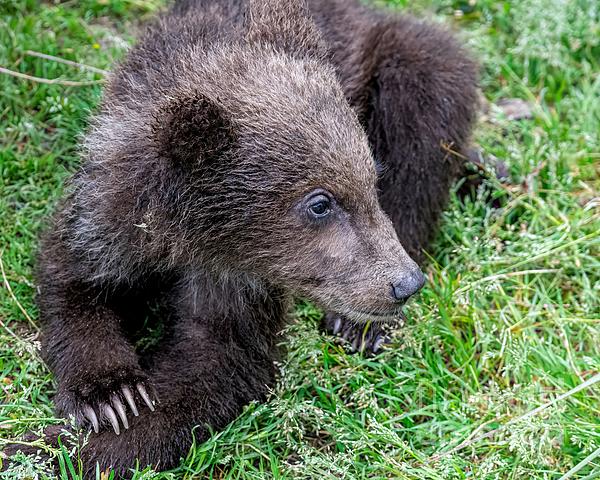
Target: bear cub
[{"x": 245, "y": 152}]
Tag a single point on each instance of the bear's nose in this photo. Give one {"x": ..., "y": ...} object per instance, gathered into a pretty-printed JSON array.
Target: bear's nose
[{"x": 408, "y": 284}]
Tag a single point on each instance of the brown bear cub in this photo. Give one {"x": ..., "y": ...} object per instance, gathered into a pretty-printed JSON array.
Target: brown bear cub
[{"x": 233, "y": 165}]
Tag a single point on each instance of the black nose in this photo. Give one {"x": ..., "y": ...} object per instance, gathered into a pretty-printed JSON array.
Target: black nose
[{"x": 408, "y": 284}]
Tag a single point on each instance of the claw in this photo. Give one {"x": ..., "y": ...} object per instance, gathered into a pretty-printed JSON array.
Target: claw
[
  {"x": 130, "y": 401},
  {"x": 337, "y": 325},
  {"x": 112, "y": 418},
  {"x": 346, "y": 333},
  {"x": 91, "y": 416},
  {"x": 120, "y": 409},
  {"x": 144, "y": 394},
  {"x": 357, "y": 344},
  {"x": 378, "y": 343}
]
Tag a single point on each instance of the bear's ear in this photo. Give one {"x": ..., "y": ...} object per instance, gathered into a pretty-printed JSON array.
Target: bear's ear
[
  {"x": 286, "y": 25},
  {"x": 192, "y": 129}
]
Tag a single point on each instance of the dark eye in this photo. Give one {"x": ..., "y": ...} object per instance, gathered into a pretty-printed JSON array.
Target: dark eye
[{"x": 319, "y": 206}]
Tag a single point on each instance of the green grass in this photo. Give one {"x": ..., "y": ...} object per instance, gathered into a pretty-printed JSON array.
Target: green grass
[{"x": 509, "y": 321}]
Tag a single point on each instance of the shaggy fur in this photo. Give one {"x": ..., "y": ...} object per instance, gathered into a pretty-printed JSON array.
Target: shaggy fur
[
  {"x": 414, "y": 89},
  {"x": 194, "y": 208}
]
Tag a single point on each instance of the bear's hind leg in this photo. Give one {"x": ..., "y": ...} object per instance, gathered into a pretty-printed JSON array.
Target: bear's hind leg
[
  {"x": 415, "y": 91},
  {"x": 419, "y": 106}
]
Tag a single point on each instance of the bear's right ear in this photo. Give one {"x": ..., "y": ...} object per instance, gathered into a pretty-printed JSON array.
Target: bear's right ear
[{"x": 192, "y": 129}]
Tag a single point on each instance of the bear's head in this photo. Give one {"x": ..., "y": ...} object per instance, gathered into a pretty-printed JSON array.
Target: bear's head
[{"x": 275, "y": 175}]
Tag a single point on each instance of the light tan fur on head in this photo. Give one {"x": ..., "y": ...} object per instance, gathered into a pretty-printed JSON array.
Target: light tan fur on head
[{"x": 255, "y": 129}]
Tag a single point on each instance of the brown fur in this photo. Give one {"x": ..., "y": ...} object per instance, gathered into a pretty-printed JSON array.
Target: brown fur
[
  {"x": 414, "y": 89},
  {"x": 215, "y": 137}
]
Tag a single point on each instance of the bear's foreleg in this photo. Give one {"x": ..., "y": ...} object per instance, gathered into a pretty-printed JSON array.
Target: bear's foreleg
[
  {"x": 97, "y": 370},
  {"x": 203, "y": 380}
]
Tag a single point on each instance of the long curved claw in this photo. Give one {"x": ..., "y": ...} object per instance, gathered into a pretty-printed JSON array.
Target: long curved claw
[
  {"x": 109, "y": 413},
  {"x": 129, "y": 399},
  {"x": 120, "y": 409},
  {"x": 379, "y": 342},
  {"x": 144, "y": 394},
  {"x": 90, "y": 414},
  {"x": 346, "y": 334},
  {"x": 337, "y": 325},
  {"x": 357, "y": 344}
]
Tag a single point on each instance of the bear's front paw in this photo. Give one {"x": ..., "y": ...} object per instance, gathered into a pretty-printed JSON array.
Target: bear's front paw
[
  {"x": 103, "y": 400},
  {"x": 366, "y": 338}
]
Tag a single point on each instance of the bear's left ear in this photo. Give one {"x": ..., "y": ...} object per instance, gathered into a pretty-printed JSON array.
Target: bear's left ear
[{"x": 192, "y": 129}]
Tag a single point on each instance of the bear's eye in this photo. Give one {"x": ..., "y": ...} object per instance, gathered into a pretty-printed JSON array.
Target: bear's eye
[{"x": 319, "y": 206}]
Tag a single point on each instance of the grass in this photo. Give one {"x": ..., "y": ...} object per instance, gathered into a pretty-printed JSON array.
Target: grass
[{"x": 510, "y": 320}]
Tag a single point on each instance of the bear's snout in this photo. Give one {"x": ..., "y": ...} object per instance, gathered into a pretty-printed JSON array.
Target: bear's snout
[{"x": 407, "y": 284}]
